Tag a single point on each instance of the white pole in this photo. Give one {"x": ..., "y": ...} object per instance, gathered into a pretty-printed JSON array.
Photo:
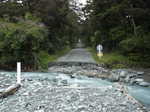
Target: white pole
[
  {"x": 99, "y": 51},
  {"x": 18, "y": 73}
]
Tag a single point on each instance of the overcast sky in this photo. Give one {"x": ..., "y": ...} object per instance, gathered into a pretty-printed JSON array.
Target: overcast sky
[
  {"x": 83, "y": 1},
  {"x": 79, "y": 12}
]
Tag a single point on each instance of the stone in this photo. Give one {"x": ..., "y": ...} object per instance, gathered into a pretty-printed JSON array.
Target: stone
[
  {"x": 132, "y": 81},
  {"x": 74, "y": 85},
  {"x": 127, "y": 79},
  {"x": 139, "y": 80},
  {"x": 26, "y": 94},
  {"x": 132, "y": 75},
  {"x": 81, "y": 108},
  {"x": 64, "y": 82},
  {"x": 91, "y": 76},
  {"x": 72, "y": 76},
  {"x": 140, "y": 73},
  {"x": 123, "y": 74},
  {"x": 29, "y": 80},
  {"x": 114, "y": 77},
  {"x": 42, "y": 110},
  {"x": 144, "y": 84},
  {"x": 55, "y": 80}
]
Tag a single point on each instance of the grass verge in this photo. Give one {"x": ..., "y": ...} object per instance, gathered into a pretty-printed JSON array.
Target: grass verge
[
  {"x": 112, "y": 60},
  {"x": 45, "y": 58}
]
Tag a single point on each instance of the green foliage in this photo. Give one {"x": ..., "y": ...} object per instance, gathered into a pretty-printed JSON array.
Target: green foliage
[
  {"x": 11, "y": 9},
  {"x": 21, "y": 42},
  {"x": 32, "y": 30},
  {"x": 128, "y": 45},
  {"x": 45, "y": 58},
  {"x": 124, "y": 26},
  {"x": 117, "y": 60},
  {"x": 29, "y": 16},
  {"x": 111, "y": 60}
]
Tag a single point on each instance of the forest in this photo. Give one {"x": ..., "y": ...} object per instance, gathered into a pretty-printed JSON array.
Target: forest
[
  {"x": 122, "y": 27},
  {"x": 34, "y": 31},
  {"x": 31, "y": 30}
]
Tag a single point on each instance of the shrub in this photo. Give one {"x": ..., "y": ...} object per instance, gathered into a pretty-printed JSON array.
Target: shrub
[{"x": 21, "y": 42}]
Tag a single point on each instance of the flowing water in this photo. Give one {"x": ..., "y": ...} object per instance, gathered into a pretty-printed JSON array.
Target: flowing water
[{"x": 140, "y": 93}]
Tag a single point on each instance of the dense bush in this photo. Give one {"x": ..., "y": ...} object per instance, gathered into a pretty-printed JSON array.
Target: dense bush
[
  {"x": 31, "y": 26},
  {"x": 120, "y": 25},
  {"x": 21, "y": 41},
  {"x": 136, "y": 48}
]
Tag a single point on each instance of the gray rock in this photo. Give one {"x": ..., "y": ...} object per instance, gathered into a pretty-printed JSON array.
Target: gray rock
[
  {"x": 72, "y": 76},
  {"x": 131, "y": 75},
  {"x": 42, "y": 110},
  {"x": 139, "y": 80},
  {"x": 127, "y": 79},
  {"x": 29, "y": 79},
  {"x": 64, "y": 82},
  {"x": 140, "y": 73},
  {"x": 132, "y": 81},
  {"x": 55, "y": 80},
  {"x": 123, "y": 74},
  {"x": 144, "y": 84},
  {"x": 114, "y": 77}
]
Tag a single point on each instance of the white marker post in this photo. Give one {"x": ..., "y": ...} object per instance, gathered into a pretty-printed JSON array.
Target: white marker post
[
  {"x": 99, "y": 50},
  {"x": 18, "y": 73}
]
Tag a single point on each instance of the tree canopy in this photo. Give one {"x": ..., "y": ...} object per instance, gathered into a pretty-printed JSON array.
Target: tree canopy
[
  {"x": 28, "y": 27},
  {"x": 122, "y": 25}
]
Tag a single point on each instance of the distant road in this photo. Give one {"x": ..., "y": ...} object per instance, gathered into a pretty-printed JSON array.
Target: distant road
[{"x": 77, "y": 55}]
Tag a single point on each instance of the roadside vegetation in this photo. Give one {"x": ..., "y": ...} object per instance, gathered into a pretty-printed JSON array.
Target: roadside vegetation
[
  {"x": 122, "y": 27},
  {"x": 35, "y": 35},
  {"x": 115, "y": 60},
  {"x": 45, "y": 58}
]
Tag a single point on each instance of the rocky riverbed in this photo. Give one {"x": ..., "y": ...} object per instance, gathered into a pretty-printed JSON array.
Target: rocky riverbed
[
  {"x": 48, "y": 94},
  {"x": 126, "y": 76}
]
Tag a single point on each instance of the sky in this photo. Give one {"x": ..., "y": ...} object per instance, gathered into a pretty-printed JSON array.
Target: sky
[
  {"x": 82, "y": 1},
  {"x": 79, "y": 12}
]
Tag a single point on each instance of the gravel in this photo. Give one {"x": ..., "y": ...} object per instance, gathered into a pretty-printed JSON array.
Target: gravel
[
  {"x": 41, "y": 95},
  {"x": 91, "y": 70}
]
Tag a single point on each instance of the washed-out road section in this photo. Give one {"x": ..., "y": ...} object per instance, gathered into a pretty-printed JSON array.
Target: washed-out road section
[{"x": 57, "y": 92}]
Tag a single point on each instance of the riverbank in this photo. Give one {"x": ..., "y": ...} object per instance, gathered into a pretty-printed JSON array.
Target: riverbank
[{"x": 126, "y": 76}]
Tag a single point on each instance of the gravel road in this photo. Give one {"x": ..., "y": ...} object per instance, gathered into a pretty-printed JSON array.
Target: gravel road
[{"x": 77, "y": 55}]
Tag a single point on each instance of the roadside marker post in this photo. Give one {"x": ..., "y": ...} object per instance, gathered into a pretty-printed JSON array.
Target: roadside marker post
[
  {"x": 18, "y": 72},
  {"x": 99, "y": 50}
]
